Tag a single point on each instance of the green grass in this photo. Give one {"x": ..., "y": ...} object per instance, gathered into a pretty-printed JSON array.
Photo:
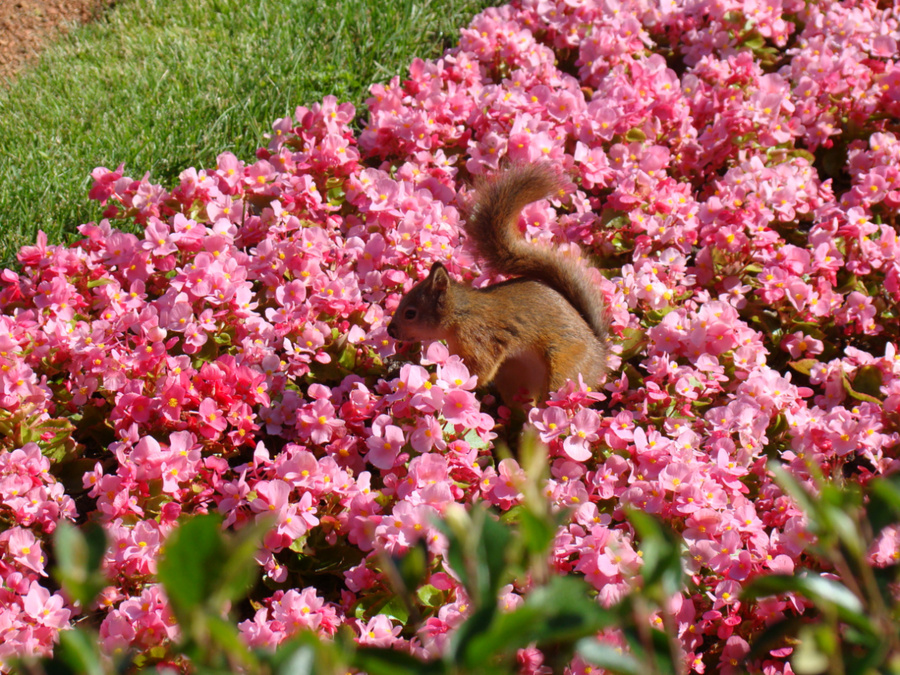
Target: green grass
[{"x": 162, "y": 85}]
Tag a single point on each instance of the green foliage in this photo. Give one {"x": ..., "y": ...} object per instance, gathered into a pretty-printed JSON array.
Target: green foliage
[
  {"x": 204, "y": 571},
  {"x": 79, "y": 553},
  {"x": 163, "y": 85},
  {"x": 854, "y": 628}
]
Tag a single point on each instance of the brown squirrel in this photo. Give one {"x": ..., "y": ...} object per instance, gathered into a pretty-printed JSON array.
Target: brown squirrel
[{"x": 530, "y": 333}]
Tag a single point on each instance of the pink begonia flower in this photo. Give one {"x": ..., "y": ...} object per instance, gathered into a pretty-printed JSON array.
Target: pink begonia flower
[
  {"x": 583, "y": 432},
  {"x": 46, "y": 609},
  {"x": 25, "y": 549},
  {"x": 258, "y": 292},
  {"x": 212, "y": 421},
  {"x": 505, "y": 486},
  {"x": 158, "y": 238},
  {"x": 550, "y": 422},
  {"x": 378, "y": 632},
  {"x": 384, "y": 446}
]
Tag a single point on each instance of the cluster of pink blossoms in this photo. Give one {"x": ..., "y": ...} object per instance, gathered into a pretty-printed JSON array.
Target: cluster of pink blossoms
[{"x": 736, "y": 165}]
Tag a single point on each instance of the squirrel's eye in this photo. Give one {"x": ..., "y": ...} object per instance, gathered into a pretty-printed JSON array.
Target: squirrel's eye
[{"x": 410, "y": 314}]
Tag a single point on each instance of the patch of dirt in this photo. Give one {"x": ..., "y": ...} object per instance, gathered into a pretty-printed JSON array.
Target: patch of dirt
[{"x": 26, "y": 26}]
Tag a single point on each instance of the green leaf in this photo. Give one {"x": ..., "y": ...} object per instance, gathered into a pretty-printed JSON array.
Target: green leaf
[
  {"x": 803, "y": 154},
  {"x": 430, "y": 596},
  {"x": 477, "y": 544},
  {"x": 633, "y": 342},
  {"x": 868, "y": 380},
  {"x": 611, "y": 659},
  {"x": 491, "y": 556},
  {"x": 635, "y": 136},
  {"x": 557, "y": 614},
  {"x": 809, "y": 655},
  {"x": 79, "y": 650},
  {"x": 475, "y": 441},
  {"x": 858, "y": 395},
  {"x": 537, "y": 532},
  {"x": 239, "y": 570},
  {"x": 301, "y": 661},
  {"x": 826, "y": 594},
  {"x": 660, "y": 549},
  {"x": 347, "y": 357},
  {"x": 655, "y": 656},
  {"x": 79, "y": 554},
  {"x": 377, "y": 661},
  {"x": 191, "y": 563},
  {"x": 883, "y": 507},
  {"x": 396, "y": 609},
  {"x": 460, "y": 651},
  {"x": 222, "y": 338},
  {"x": 803, "y": 366},
  {"x": 413, "y": 566},
  {"x": 307, "y": 654},
  {"x": 226, "y": 639}
]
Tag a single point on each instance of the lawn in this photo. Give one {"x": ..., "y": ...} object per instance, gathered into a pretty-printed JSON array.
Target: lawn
[{"x": 162, "y": 85}]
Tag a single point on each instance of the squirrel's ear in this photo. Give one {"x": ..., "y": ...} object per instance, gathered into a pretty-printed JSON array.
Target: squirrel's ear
[{"x": 439, "y": 277}]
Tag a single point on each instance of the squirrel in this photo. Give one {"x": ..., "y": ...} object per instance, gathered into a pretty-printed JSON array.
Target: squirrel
[{"x": 530, "y": 333}]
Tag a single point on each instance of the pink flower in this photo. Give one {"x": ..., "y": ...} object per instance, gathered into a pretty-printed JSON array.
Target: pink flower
[
  {"x": 212, "y": 421},
  {"x": 583, "y": 430},
  {"x": 47, "y": 610},
  {"x": 384, "y": 445},
  {"x": 25, "y": 549},
  {"x": 378, "y": 631},
  {"x": 550, "y": 422},
  {"x": 158, "y": 239}
]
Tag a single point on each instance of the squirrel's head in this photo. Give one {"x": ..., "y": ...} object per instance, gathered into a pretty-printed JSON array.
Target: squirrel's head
[{"x": 421, "y": 314}]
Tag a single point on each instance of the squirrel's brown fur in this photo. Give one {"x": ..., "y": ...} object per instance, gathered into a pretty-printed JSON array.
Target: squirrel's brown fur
[{"x": 529, "y": 334}]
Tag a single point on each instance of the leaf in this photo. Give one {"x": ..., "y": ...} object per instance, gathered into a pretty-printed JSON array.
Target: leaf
[
  {"x": 557, "y": 614},
  {"x": 240, "y": 570},
  {"x": 306, "y": 654},
  {"x": 537, "y": 532},
  {"x": 413, "y": 566},
  {"x": 491, "y": 556},
  {"x": 868, "y": 380},
  {"x": 222, "y": 338},
  {"x": 635, "y": 136},
  {"x": 825, "y": 593},
  {"x": 430, "y": 596},
  {"x": 660, "y": 549},
  {"x": 477, "y": 544},
  {"x": 475, "y": 441},
  {"x": 610, "y": 658},
  {"x": 814, "y": 651},
  {"x": 633, "y": 342},
  {"x": 227, "y": 640},
  {"x": 385, "y": 661},
  {"x": 192, "y": 562},
  {"x": 79, "y": 650},
  {"x": 396, "y": 609},
  {"x": 655, "y": 657},
  {"x": 803, "y": 154},
  {"x": 79, "y": 554},
  {"x": 883, "y": 507},
  {"x": 858, "y": 395},
  {"x": 804, "y": 366}
]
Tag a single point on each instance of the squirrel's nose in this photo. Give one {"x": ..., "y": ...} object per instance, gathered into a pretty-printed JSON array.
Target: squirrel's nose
[{"x": 392, "y": 330}]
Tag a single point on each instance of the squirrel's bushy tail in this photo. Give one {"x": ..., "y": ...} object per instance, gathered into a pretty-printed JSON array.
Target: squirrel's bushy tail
[{"x": 492, "y": 224}]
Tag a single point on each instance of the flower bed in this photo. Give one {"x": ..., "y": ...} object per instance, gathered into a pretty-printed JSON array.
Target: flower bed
[{"x": 737, "y": 172}]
